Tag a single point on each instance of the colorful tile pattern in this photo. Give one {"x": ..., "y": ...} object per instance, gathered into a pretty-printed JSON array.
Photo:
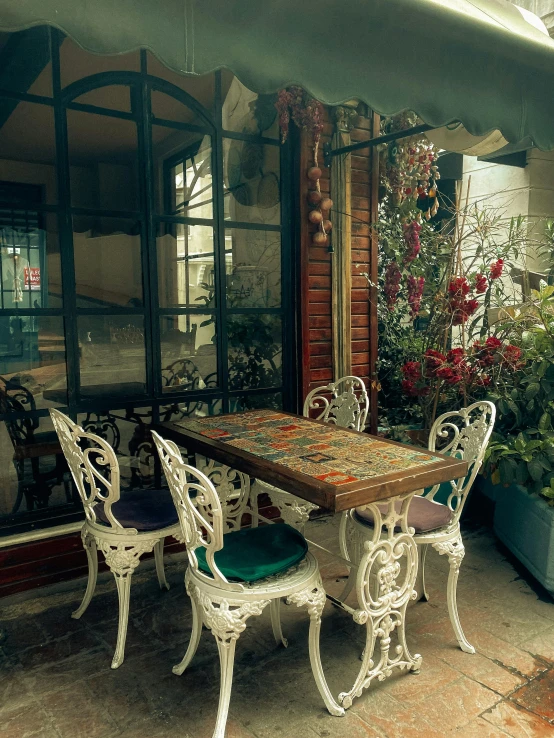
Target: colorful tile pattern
[{"x": 333, "y": 455}]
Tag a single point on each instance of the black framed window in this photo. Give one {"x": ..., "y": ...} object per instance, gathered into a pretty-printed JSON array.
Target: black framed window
[{"x": 146, "y": 272}]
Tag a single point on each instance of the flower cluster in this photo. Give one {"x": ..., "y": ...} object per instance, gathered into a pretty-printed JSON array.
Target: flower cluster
[
  {"x": 411, "y": 237},
  {"x": 392, "y": 284},
  {"x": 306, "y": 112},
  {"x": 481, "y": 284},
  {"x": 415, "y": 293},
  {"x": 496, "y": 269},
  {"x": 460, "y": 368},
  {"x": 460, "y": 307},
  {"x": 414, "y": 384},
  {"x": 493, "y": 352}
]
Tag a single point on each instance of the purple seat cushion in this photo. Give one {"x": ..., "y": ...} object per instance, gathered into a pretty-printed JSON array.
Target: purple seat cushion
[
  {"x": 424, "y": 515},
  {"x": 143, "y": 509}
]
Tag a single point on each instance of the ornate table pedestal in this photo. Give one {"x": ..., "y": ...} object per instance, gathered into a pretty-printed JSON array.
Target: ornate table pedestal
[{"x": 387, "y": 561}]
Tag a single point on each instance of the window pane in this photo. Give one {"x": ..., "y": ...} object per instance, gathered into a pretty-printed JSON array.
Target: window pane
[
  {"x": 127, "y": 431},
  {"x": 30, "y": 270},
  {"x": 183, "y": 161},
  {"x": 192, "y": 408},
  {"x": 200, "y": 88},
  {"x": 28, "y": 148},
  {"x": 108, "y": 270},
  {"x": 251, "y": 177},
  {"x": 246, "y": 112},
  {"x": 32, "y": 487},
  {"x": 32, "y": 362},
  {"x": 114, "y": 97},
  {"x": 112, "y": 355},
  {"x": 103, "y": 161},
  {"x": 255, "y": 347},
  {"x": 273, "y": 400},
  {"x": 186, "y": 265},
  {"x": 25, "y": 61},
  {"x": 189, "y": 352},
  {"x": 254, "y": 265},
  {"x": 76, "y": 63}
]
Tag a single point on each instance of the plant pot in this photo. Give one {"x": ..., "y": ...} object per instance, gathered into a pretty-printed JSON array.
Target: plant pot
[{"x": 525, "y": 524}]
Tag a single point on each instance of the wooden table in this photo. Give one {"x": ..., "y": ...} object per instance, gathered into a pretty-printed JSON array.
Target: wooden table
[{"x": 339, "y": 469}]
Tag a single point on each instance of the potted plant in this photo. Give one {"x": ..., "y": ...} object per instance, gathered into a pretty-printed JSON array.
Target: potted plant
[{"x": 521, "y": 454}]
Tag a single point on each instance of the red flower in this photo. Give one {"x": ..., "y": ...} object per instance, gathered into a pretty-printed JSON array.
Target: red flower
[
  {"x": 455, "y": 356},
  {"x": 481, "y": 284},
  {"x": 411, "y": 237},
  {"x": 496, "y": 269},
  {"x": 412, "y": 370},
  {"x": 511, "y": 354},
  {"x": 493, "y": 342},
  {"x": 458, "y": 287},
  {"x": 415, "y": 292},
  {"x": 392, "y": 284},
  {"x": 433, "y": 360}
]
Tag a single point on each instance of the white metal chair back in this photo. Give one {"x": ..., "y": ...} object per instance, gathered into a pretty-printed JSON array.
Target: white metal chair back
[
  {"x": 199, "y": 509},
  {"x": 93, "y": 465},
  {"x": 344, "y": 403},
  {"x": 464, "y": 434}
]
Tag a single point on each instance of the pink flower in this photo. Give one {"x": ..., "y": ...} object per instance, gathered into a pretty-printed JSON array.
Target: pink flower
[{"x": 411, "y": 237}]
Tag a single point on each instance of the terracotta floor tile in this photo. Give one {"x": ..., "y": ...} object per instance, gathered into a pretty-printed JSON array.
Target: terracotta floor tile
[
  {"x": 538, "y": 696},
  {"x": 480, "y": 728},
  {"x": 483, "y": 670},
  {"x": 517, "y": 722},
  {"x": 27, "y": 723},
  {"x": 541, "y": 645},
  {"x": 79, "y": 718},
  {"x": 457, "y": 704},
  {"x": 434, "y": 676}
]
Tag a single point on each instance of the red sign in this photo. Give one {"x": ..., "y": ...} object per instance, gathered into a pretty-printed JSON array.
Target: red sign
[{"x": 32, "y": 277}]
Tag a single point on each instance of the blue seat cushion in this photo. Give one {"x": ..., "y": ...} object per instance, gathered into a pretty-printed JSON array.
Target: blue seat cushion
[
  {"x": 251, "y": 554},
  {"x": 143, "y": 509}
]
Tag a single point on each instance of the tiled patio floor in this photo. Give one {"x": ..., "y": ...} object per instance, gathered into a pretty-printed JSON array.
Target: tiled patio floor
[{"x": 56, "y": 681}]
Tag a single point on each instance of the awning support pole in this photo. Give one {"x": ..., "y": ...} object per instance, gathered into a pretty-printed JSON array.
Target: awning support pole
[{"x": 329, "y": 153}]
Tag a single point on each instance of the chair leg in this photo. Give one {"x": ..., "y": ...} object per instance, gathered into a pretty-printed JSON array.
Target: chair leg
[
  {"x": 343, "y": 532},
  {"x": 455, "y": 551},
  {"x": 227, "y": 661},
  {"x": 194, "y": 638},
  {"x": 353, "y": 555},
  {"x": 314, "y": 598},
  {"x": 123, "y": 559},
  {"x": 422, "y": 595},
  {"x": 89, "y": 544},
  {"x": 159, "y": 559},
  {"x": 275, "y": 610}
]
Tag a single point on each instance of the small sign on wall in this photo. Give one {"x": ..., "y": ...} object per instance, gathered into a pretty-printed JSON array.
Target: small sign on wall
[{"x": 32, "y": 278}]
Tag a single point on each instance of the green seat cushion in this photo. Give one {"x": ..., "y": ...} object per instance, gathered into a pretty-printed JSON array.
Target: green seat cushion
[{"x": 251, "y": 554}]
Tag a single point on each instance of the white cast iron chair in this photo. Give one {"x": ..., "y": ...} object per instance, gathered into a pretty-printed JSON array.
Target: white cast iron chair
[
  {"x": 225, "y": 581},
  {"x": 122, "y": 527},
  {"x": 344, "y": 403},
  {"x": 464, "y": 434}
]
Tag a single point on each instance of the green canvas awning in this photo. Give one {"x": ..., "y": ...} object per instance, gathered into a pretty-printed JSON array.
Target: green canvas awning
[{"x": 476, "y": 61}]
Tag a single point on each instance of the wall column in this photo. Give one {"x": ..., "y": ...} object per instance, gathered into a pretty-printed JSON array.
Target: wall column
[{"x": 345, "y": 117}]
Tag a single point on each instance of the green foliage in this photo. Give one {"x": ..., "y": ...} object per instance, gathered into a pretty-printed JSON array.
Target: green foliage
[{"x": 522, "y": 449}]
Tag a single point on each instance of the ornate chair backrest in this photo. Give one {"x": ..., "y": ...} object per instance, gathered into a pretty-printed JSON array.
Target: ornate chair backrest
[
  {"x": 14, "y": 398},
  {"x": 198, "y": 507},
  {"x": 344, "y": 402},
  {"x": 464, "y": 434},
  {"x": 93, "y": 465}
]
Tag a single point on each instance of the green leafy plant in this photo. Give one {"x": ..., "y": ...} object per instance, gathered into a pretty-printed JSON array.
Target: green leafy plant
[{"x": 522, "y": 448}]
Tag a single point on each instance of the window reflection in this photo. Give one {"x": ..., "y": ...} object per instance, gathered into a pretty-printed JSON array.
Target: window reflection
[
  {"x": 187, "y": 174},
  {"x": 108, "y": 269},
  {"x": 189, "y": 353},
  {"x": 186, "y": 265},
  {"x": 255, "y": 347},
  {"x": 32, "y": 358},
  {"x": 251, "y": 177},
  {"x": 254, "y": 278},
  {"x": 112, "y": 355}
]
